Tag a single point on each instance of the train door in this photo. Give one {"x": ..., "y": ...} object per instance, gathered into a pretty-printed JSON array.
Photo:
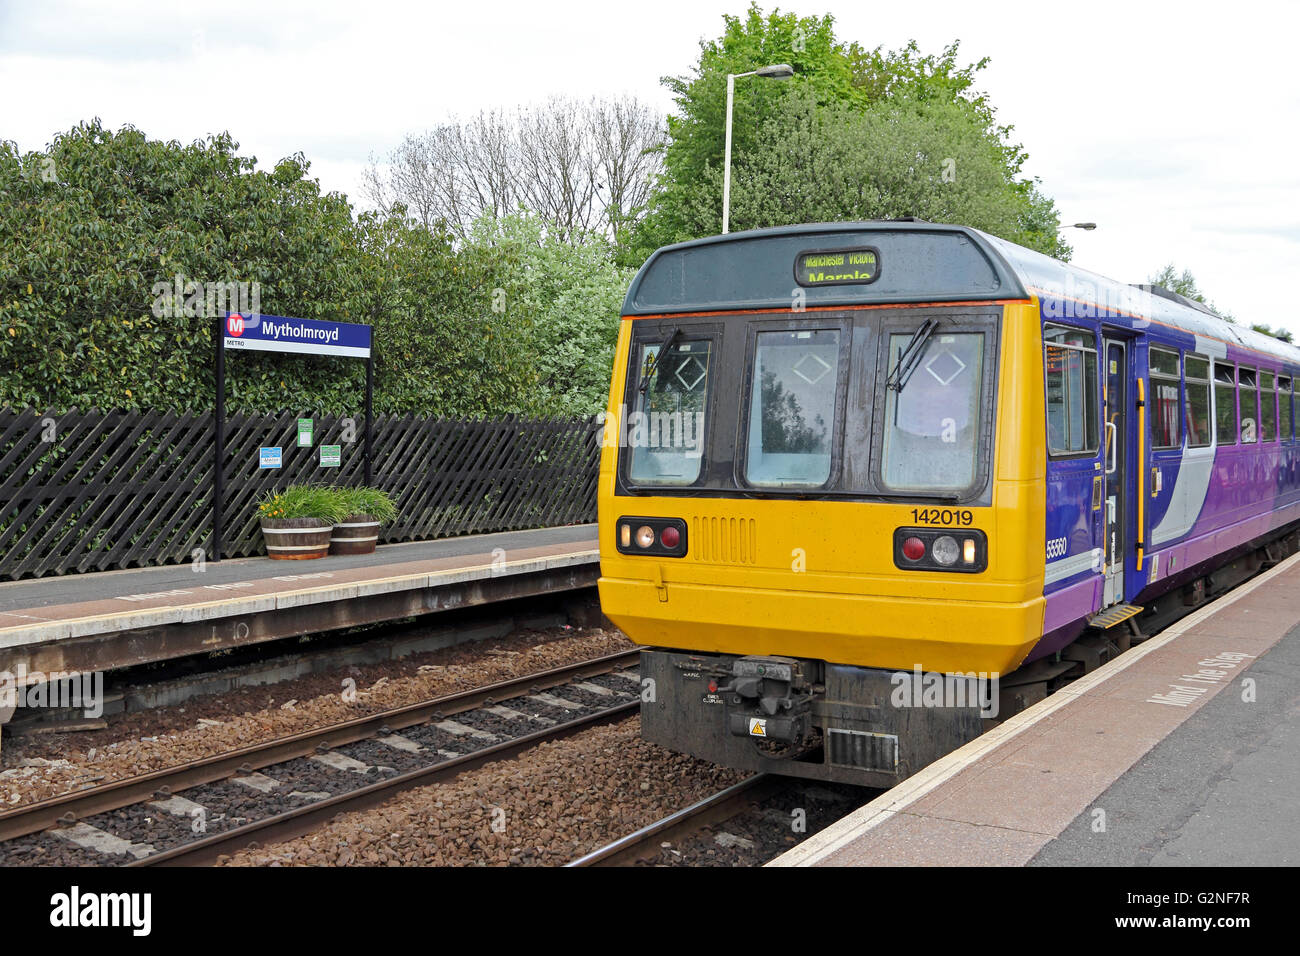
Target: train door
[{"x": 1116, "y": 407}]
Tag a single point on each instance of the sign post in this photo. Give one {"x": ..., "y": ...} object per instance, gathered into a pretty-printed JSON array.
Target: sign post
[{"x": 275, "y": 333}]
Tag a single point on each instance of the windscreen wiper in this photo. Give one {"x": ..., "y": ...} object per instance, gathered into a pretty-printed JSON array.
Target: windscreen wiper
[
  {"x": 650, "y": 367},
  {"x": 911, "y": 356}
]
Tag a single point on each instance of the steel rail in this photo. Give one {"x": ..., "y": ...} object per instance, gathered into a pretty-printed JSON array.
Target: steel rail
[
  {"x": 302, "y": 820},
  {"x": 721, "y": 806},
  {"x": 70, "y": 807}
]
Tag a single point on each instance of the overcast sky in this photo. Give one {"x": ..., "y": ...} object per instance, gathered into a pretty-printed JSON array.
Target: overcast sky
[{"x": 1172, "y": 126}]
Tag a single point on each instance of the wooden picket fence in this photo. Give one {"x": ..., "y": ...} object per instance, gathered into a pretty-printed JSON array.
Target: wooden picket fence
[{"x": 94, "y": 491}]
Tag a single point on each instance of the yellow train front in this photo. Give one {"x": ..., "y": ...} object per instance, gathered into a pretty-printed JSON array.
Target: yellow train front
[{"x": 822, "y": 489}]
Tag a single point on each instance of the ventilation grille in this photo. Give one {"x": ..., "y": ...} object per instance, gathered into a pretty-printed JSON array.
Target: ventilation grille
[
  {"x": 724, "y": 540},
  {"x": 863, "y": 750}
]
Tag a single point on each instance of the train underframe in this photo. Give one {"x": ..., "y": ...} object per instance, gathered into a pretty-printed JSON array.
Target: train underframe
[{"x": 875, "y": 727}]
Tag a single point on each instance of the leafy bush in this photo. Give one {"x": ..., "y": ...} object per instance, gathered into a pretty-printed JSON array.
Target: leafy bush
[
  {"x": 512, "y": 321},
  {"x": 304, "y": 501},
  {"x": 368, "y": 501}
]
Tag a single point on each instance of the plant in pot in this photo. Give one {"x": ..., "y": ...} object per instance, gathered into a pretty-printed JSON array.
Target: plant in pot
[
  {"x": 365, "y": 509},
  {"x": 297, "y": 522}
]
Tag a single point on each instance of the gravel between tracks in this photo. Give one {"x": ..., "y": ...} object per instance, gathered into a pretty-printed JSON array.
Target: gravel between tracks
[
  {"x": 553, "y": 804},
  {"x": 38, "y": 767}
]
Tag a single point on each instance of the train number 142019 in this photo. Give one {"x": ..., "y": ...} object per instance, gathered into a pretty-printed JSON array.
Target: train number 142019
[{"x": 950, "y": 517}]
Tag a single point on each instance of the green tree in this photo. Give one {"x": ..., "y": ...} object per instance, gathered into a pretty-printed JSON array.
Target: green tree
[
  {"x": 901, "y": 157},
  {"x": 1184, "y": 284},
  {"x": 1277, "y": 333},
  {"x": 567, "y": 296},
  {"x": 93, "y": 226},
  {"x": 925, "y": 105},
  {"x": 508, "y": 320}
]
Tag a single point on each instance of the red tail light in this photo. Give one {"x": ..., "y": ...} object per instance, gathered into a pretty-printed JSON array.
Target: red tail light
[{"x": 936, "y": 549}]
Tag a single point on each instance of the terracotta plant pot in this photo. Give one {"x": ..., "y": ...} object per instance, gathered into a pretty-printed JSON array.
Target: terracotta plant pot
[
  {"x": 296, "y": 539},
  {"x": 355, "y": 534}
]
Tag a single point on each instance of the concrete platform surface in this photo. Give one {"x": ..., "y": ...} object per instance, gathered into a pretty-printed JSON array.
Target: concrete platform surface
[
  {"x": 72, "y": 606},
  {"x": 1183, "y": 751}
]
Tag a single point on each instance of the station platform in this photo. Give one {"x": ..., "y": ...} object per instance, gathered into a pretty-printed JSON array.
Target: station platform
[
  {"x": 1183, "y": 751},
  {"x": 101, "y": 621}
]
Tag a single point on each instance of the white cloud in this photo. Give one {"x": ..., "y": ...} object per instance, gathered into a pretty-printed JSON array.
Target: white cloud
[{"x": 1171, "y": 126}]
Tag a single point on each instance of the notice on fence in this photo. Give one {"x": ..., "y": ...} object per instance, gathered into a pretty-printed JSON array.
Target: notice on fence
[
  {"x": 269, "y": 458},
  {"x": 331, "y": 456},
  {"x": 304, "y": 433}
]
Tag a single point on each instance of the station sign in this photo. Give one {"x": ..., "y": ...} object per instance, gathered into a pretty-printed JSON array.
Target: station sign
[
  {"x": 275, "y": 333},
  {"x": 270, "y": 458}
]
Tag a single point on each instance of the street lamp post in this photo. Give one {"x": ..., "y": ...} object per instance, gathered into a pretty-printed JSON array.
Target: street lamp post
[{"x": 777, "y": 71}]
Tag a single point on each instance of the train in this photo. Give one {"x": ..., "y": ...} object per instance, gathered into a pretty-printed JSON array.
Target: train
[{"x": 867, "y": 487}]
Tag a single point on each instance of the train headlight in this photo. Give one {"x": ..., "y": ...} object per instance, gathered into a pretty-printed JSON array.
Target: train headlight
[
  {"x": 945, "y": 551},
  {"x": 968, "y": 551},
  {"x": 651, "y": 537}
]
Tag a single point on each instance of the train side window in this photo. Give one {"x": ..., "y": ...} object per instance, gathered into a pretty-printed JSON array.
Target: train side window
[
  {"x": 1165, "y": 430},
  {"x": 1073, "y": 395},
  {"x": 1284, "y": 407},
  {"x": 1196, "y": 374},
  {"x": 1225, "y": 404},
  {"x": 1267, "y": 407},
  {"x": 1249, "y": 399},
  {"x": 792, "y": 408}
]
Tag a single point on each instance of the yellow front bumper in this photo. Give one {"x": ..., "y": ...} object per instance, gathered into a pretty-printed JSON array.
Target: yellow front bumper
[{"x": 861, "y": 630}]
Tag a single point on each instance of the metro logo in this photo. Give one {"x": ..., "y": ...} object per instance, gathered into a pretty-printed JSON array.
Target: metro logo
[{"x": 235, "y": 324}]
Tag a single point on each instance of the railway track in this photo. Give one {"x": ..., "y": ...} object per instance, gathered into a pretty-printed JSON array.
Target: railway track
[
  {"x": 645, "y": 842},
  {"x": 758, "y": 818},
  {"x": 106, "y": 821}
]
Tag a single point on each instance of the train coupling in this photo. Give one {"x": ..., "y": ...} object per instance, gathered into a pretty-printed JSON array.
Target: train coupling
[{"x": 770, "y": 698}]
